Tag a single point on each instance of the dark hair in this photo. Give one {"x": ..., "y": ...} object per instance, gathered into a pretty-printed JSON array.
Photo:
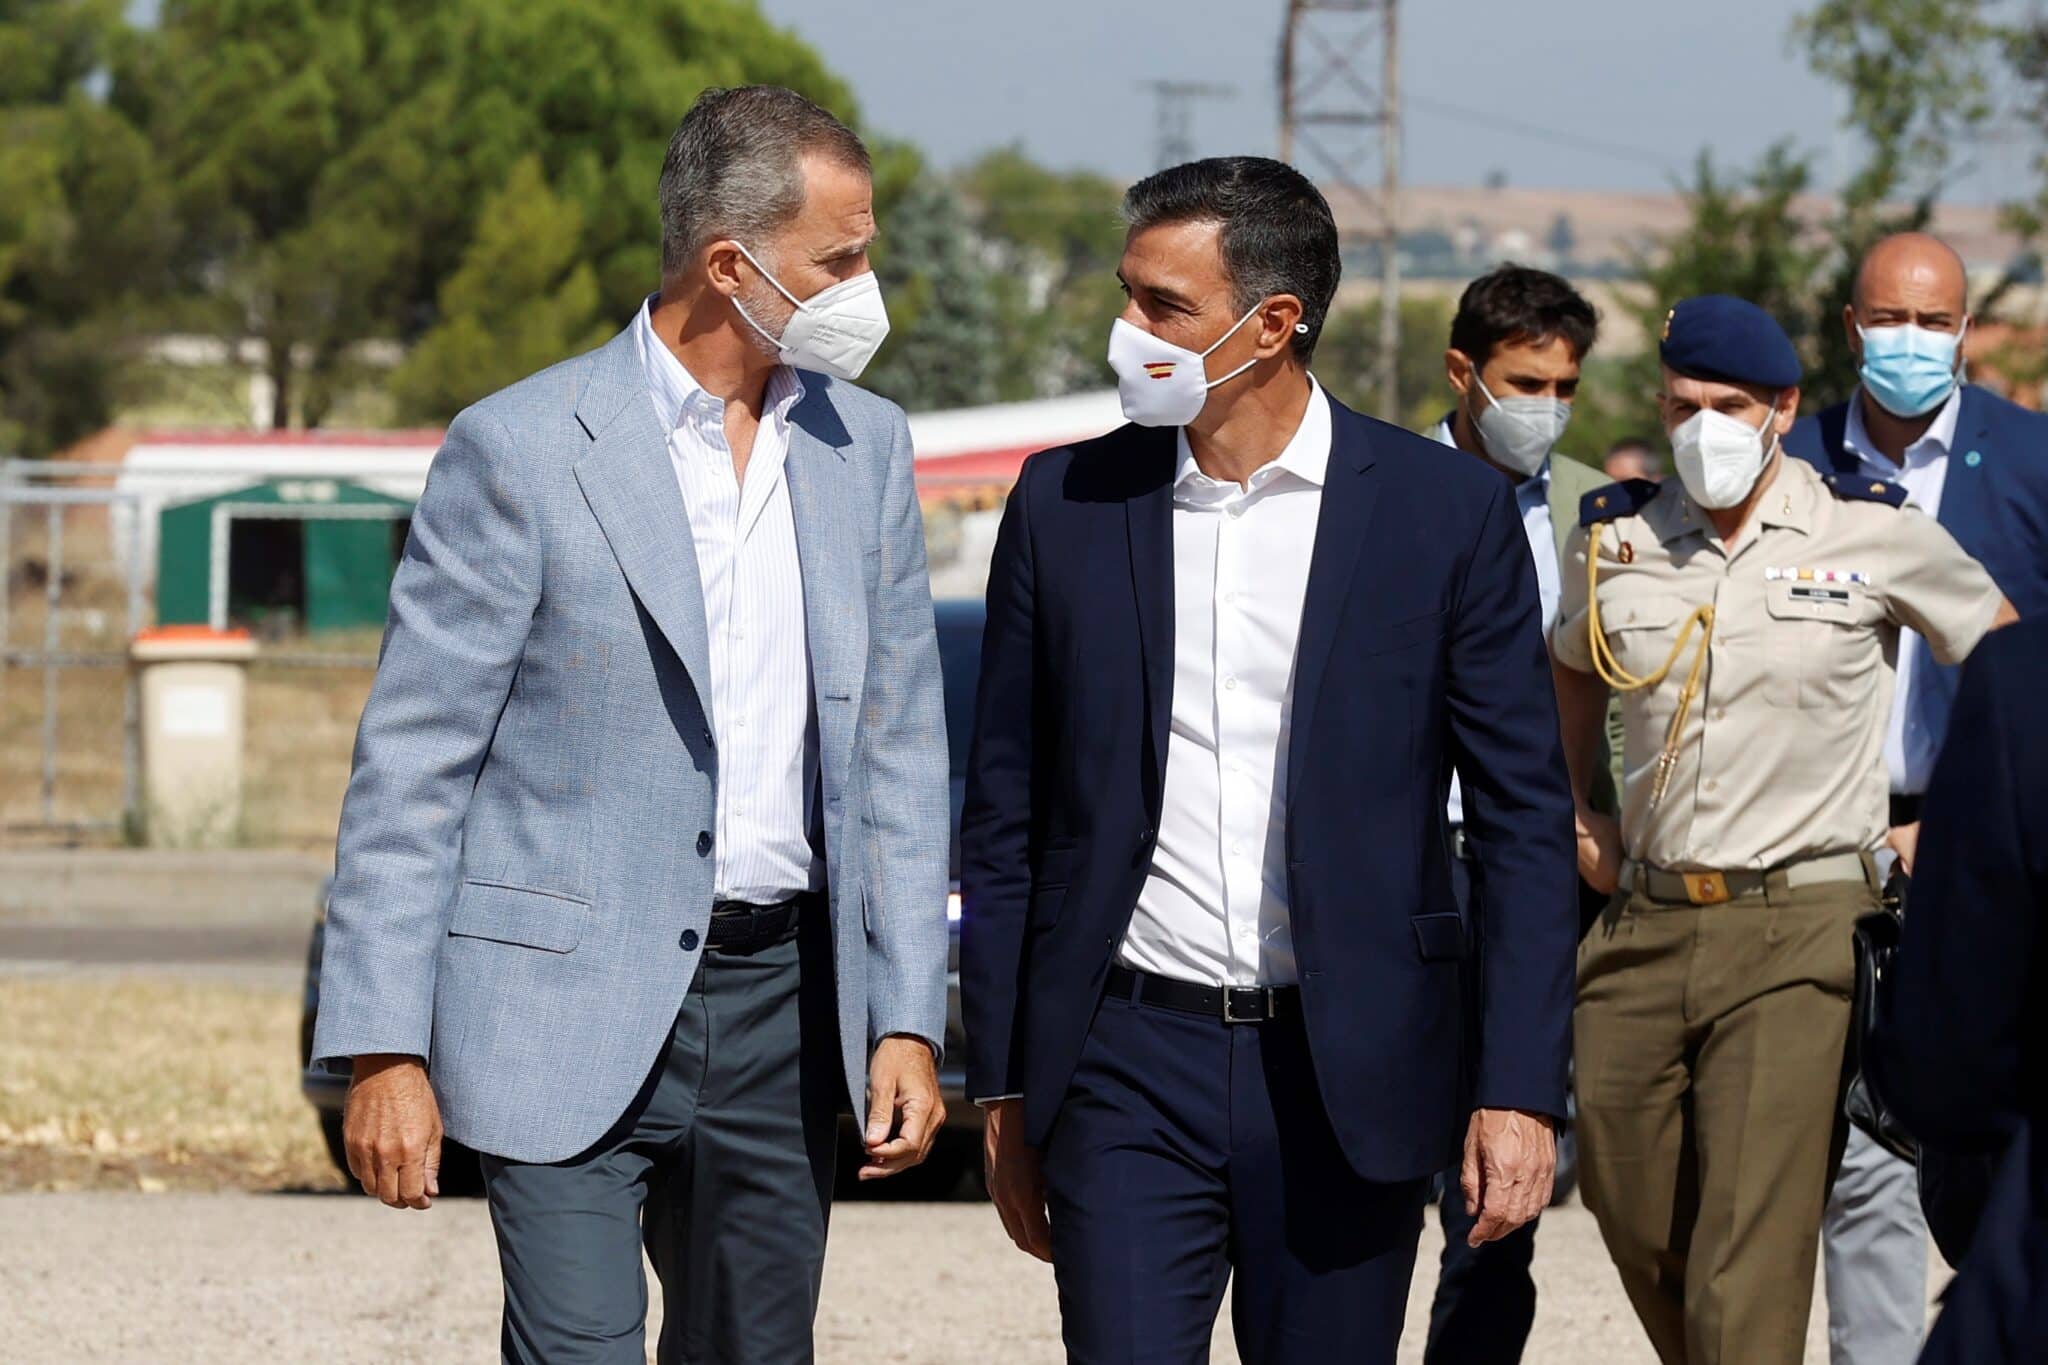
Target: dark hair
[
  {"x": 734, "y": 167},
  {"x": 1278, "y": 236},
  {"x": 1517, "y": 303}
]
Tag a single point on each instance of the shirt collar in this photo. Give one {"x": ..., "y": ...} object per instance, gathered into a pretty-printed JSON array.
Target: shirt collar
[
  {"x": 1306, "y": 456},
  {"x": 1934, "y": 445},
  {"x": 676, "y": 391}
]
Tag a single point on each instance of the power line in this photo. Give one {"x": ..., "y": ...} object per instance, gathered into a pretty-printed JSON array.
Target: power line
[{"x": 1556, "y": 137}]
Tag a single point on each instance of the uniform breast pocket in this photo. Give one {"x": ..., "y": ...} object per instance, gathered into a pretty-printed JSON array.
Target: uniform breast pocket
[
  {"x": 1641, "y": 630},
  {"x": 1821, "y": 645}
]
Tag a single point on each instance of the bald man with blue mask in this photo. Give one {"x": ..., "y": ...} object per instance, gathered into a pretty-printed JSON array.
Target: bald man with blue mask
[{"x": 1979, "y": 466}]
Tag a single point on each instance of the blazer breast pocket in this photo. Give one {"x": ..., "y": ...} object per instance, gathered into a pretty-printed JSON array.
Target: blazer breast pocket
[
  {"x": 525, "y": 917},
  {"x": 1404, "y": 634}
]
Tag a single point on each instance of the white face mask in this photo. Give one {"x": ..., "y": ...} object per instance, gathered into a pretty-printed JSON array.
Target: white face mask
[
  {"x": 1519, "y": 433},
  {"x": 835, "y": 331},
  {"x": 1164, "y": 385},
  {"x": 1719, "y": 457}
]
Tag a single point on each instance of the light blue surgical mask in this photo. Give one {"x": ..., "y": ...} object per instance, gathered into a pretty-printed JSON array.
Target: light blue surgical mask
[{"x": 1910, "y": 370}]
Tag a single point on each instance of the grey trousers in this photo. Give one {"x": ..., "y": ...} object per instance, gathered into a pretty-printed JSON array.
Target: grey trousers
[
  {"x": 1874, "y": 1243},
  {"x": 721, "y": 1168}
]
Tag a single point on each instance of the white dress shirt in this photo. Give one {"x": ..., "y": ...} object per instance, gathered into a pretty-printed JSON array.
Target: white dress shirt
[
  {"x": 1909, "y": 747},
  {"x": 1532, "y": 500},
  {"x": 1214, "y": 905},
  {"x": 762, "y": 710}
]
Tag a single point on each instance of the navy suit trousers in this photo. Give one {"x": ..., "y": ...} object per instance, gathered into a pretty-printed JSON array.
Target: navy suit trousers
[
  {"x": 1188, "y": 1149},
  {"x": 1485, "y": 1296}
]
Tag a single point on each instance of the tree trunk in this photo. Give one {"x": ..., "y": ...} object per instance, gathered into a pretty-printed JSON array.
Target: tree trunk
[{"x": 280, "y": 366}]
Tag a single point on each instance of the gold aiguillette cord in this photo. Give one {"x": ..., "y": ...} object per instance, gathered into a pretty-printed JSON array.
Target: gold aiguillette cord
[{"x": 1621, "y": 680}]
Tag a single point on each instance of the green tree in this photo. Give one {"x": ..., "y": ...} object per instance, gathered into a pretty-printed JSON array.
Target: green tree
[
  {"x": 1347, "y": 357},
  {"x": 332, "y": 157},
  {"x": 1053, "y": 239},
  {"x": 945, "y": 339},
  {"x": 523, "y": 298},
  {"x": 83, "y": 223}
]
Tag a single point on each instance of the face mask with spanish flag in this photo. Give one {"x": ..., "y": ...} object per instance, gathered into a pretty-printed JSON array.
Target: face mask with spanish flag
[{"x": 1161, "y": 384}]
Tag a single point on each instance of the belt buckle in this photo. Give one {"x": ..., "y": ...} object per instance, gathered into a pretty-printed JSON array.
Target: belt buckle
[
  {"x": 1262, "y": 994},
  {"x": 1705, "y": 888}
]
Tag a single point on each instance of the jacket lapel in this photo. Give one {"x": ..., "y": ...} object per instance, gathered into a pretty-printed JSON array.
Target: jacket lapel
[
  {"x": 632, "y": 491},
  {"x": 822, "y": 500},
  {"x": 1341, "y": 529},
  {"x": 1962, "y": 490},
  {"x": 1149, "y": 524}
]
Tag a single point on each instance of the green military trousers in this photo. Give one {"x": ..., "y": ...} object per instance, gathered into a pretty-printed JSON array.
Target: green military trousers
[{"x": 1708, "y": 1047}]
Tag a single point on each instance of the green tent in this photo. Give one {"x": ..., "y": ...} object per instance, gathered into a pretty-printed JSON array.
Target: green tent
[{"x": 324, "y": 549}]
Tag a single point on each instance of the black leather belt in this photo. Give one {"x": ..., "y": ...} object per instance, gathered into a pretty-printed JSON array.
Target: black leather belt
[
  {"x": 739, "y": 926},
  {"x": 1906, "y": 809},
  {"x": 1231, "y": 1004}
]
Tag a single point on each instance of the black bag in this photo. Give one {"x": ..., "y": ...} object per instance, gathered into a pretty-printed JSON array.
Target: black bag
[{"x": 1876, "y": 939}]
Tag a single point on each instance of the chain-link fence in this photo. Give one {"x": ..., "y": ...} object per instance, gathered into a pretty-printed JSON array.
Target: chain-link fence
[{"x": 77, "y": 545}]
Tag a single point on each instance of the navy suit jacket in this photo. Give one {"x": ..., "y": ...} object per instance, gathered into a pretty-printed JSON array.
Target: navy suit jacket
[
  {"x": 1962, "y": 1055},
  {"x": 1994, "y": 502},
  {"x": 1421, "y": 646}
]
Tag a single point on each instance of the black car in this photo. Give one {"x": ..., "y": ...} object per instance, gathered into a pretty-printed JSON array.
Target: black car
[{"x": 959, "y": 1147}]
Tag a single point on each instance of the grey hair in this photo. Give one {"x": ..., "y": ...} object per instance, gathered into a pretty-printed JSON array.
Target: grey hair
[{"x": 735, "y": 167}]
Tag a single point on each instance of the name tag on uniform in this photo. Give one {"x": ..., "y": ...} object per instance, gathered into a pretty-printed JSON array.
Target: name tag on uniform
[{"x": 1807, "y": 592}]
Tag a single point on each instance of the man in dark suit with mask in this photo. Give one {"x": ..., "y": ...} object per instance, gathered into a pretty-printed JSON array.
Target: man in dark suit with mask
[{"x": 1212, "y": 966}]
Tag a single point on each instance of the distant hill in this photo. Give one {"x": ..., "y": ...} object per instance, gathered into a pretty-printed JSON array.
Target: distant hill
[{"x": 1459, "y": 230}]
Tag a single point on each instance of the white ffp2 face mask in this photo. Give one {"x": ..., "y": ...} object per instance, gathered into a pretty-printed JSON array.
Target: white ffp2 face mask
[
  {"x": 1719, "y": 457},
  {"x": 835, "y": 331},
  {"x": 1164, "y": 385},
  {"x": 1520, "y": 432}
]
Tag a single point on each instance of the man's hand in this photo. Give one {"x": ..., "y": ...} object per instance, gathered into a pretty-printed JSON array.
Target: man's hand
[
  {"x": 1599, "y": 850},
  {"x": 392, "y": 1129},
  {"x": 905, "y": 1112},
  {"x": 1510, "y": 1158},
  {"x": 1016, "y": 1184},
  {"x": 1904, "y": 840}
]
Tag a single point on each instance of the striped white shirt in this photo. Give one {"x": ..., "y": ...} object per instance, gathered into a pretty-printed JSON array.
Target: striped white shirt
[{"x": 761, "y": 705}]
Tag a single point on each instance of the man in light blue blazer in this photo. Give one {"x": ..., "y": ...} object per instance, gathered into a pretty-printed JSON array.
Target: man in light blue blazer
[{"x": 642, "y": 869}]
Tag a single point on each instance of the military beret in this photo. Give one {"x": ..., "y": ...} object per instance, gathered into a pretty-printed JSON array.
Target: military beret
[{"x": 1730, "y": 341}]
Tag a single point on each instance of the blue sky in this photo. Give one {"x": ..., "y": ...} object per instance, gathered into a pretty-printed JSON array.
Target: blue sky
[{"x": 1585, "y": 94}]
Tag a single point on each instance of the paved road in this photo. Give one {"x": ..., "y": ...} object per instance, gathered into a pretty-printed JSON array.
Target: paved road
[{"x": 262, "y": 1278}]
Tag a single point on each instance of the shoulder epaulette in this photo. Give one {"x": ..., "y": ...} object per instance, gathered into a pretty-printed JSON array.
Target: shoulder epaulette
[
  {"x": 1862, "y": 488},
  {"x": 1623, "y": 499}
]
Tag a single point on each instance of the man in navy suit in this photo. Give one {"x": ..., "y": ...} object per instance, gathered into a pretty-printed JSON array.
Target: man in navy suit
[
  {"x": 1211, "y": 958},
  {"x": 1960, "y": 1054},
  {"x": 1979, "y": 465}
]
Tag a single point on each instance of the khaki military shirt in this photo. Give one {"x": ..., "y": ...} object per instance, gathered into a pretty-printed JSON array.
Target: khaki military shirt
[{"x": 1782, "y": 756}]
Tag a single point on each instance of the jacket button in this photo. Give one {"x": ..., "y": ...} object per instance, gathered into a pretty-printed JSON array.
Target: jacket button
[
  {"x": 708, "y": 739},
  {"x": 703, "y": 842},
  {"x": 689, "y": 940}
]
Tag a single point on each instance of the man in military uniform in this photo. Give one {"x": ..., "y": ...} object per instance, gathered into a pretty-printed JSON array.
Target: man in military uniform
[{"x": 1749, "y": 613}]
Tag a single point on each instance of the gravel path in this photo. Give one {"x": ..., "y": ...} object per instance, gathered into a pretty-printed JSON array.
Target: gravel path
[{"x": 261, "y": 1278}]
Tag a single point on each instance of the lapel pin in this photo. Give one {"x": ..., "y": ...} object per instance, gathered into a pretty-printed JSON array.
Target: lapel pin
[{"x": 1973, "y": 459}]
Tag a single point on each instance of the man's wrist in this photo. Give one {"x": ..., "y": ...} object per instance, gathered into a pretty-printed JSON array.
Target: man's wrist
[{"x": 936, "y": 1050}]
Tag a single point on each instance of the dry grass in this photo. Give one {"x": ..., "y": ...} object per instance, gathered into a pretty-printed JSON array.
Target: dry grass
[{"x": 125, "y": 1083}]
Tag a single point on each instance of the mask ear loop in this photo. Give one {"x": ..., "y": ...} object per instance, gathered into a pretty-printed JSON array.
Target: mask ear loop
[
  {"x": 795, "y": 302},
  {"x": 1301, "y": 328}
]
